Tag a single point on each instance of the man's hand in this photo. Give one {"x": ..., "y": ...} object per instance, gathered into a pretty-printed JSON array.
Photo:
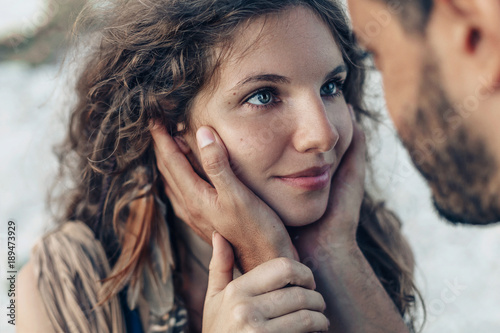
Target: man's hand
[{"x": 229, "y": 207}]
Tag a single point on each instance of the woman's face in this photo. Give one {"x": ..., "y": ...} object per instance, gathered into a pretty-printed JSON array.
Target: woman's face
[{"x": 279, "y": 109}]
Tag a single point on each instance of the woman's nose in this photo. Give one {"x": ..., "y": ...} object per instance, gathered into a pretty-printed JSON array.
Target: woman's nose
[{"x": 314, "y": 132}]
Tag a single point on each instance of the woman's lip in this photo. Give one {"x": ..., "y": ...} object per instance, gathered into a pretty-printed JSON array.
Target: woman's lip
[
  {"x": 311, "y": 183},
  {"x": 311, "y": 172}
]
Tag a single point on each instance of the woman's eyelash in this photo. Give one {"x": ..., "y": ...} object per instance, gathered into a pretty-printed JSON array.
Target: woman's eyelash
[
  {"x": 272, "y": 94},
  {"x": 271, "y": 91},
  {"x": 339, "y": 86}
]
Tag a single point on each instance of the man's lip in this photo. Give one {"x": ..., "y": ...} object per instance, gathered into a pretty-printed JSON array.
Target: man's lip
[{"x": 311, "y": 172}]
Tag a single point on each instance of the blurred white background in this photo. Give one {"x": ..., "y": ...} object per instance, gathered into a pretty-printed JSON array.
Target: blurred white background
[{"x": 458, "y": 268}]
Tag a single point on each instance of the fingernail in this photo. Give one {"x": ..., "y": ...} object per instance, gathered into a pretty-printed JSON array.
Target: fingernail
[
  {"x": 351, "y": 111},
  {"x": 204, "y": 137}
]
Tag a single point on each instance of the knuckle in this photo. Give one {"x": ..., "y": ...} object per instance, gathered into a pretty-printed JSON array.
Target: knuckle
[
  {"x": 241, "y": 312},
  {"x": 308, "y": 272},
  {"x": 286, "y": 266},
  {"x": 213, "y": 164},
  {"x": 268, "y": 306},
  {"x": 231, "y": 290},
  {"x": 249, "y": 316},
  {"x": 306, "y": 319},
  {"x": 300, "y": 296},
  {"x": 279, "y": 297}
]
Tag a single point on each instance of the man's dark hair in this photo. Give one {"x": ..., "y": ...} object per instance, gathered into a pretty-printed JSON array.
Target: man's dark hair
[{"x": 414, "y": 14}]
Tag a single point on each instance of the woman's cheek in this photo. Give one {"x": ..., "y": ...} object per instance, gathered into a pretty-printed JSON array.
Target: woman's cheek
[
  {"x": 246, "y": 147},
  {"x": 245, "y": 155}
]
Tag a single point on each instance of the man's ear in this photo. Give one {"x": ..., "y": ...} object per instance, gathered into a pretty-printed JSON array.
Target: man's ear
[{"x": 465, "y": 35}]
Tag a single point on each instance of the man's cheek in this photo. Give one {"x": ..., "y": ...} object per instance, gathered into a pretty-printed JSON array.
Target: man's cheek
[{"x": 394, "y": 104}]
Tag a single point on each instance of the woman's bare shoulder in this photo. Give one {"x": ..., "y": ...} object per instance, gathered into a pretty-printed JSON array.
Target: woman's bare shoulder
[{"x": 31, "y": 313}]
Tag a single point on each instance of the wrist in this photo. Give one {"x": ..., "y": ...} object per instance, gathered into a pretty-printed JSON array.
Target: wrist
[
  {"x": 257, "y": 250},
  {"x": 326, "y": 251},
  {"x": 324, "y": 242}
]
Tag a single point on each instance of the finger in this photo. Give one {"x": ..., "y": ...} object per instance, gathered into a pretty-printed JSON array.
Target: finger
[
  {"x": 179, "y": 203},
  {"x": 176, "y": 204},
  {"x": 163, "y": 170},
  {"x": 215, "y": 162},
  {"x": 168, "y": 181},
  {"x": 298, "y": 322},
  {"x": 181, "y": 171},
  {"x": 287, "y": 300},
  {"x": 221, "y": 265},
  {"x": 179, "y": 206},
  {"x": 275, "y": 274},
  {"x": 353, "y": 166},
  {"x": 172, "y": 191},
  {"x": 181, "y": 214}
]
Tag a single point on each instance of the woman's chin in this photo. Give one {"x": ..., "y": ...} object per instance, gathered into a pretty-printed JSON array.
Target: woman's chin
[{"x": 301, "y": 217}]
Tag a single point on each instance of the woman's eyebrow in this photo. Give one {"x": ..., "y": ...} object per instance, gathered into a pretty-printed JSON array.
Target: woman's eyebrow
[
  {"x": 336, "y": 71},
  {"x": 274, "y": 78}
]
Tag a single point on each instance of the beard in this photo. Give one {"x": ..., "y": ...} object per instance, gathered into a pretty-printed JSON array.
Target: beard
[{"x": 456, "y": 163}]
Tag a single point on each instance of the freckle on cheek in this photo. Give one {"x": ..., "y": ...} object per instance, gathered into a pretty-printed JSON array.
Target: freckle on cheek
[{"x": 234, "y": 94}]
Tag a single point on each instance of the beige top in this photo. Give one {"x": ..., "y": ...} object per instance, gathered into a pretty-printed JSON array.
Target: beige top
[{"x": 69, "y": 264}]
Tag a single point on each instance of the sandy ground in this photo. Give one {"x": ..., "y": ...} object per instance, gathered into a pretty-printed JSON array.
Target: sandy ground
[{"x": 458, "y": 268}]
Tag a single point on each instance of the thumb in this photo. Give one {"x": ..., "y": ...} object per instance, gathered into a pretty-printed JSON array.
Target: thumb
[
  {"x": 221, "y": 265},
  {"x": 215, "y": 160}
]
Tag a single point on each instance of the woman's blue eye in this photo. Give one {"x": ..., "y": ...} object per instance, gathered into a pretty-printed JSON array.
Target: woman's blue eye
[
  {"x": 329, "y": 89},
  {"x": 261, "y": 98}
]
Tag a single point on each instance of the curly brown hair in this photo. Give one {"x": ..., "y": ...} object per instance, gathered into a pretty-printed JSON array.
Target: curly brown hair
[{"x": 150, "y": 60}]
